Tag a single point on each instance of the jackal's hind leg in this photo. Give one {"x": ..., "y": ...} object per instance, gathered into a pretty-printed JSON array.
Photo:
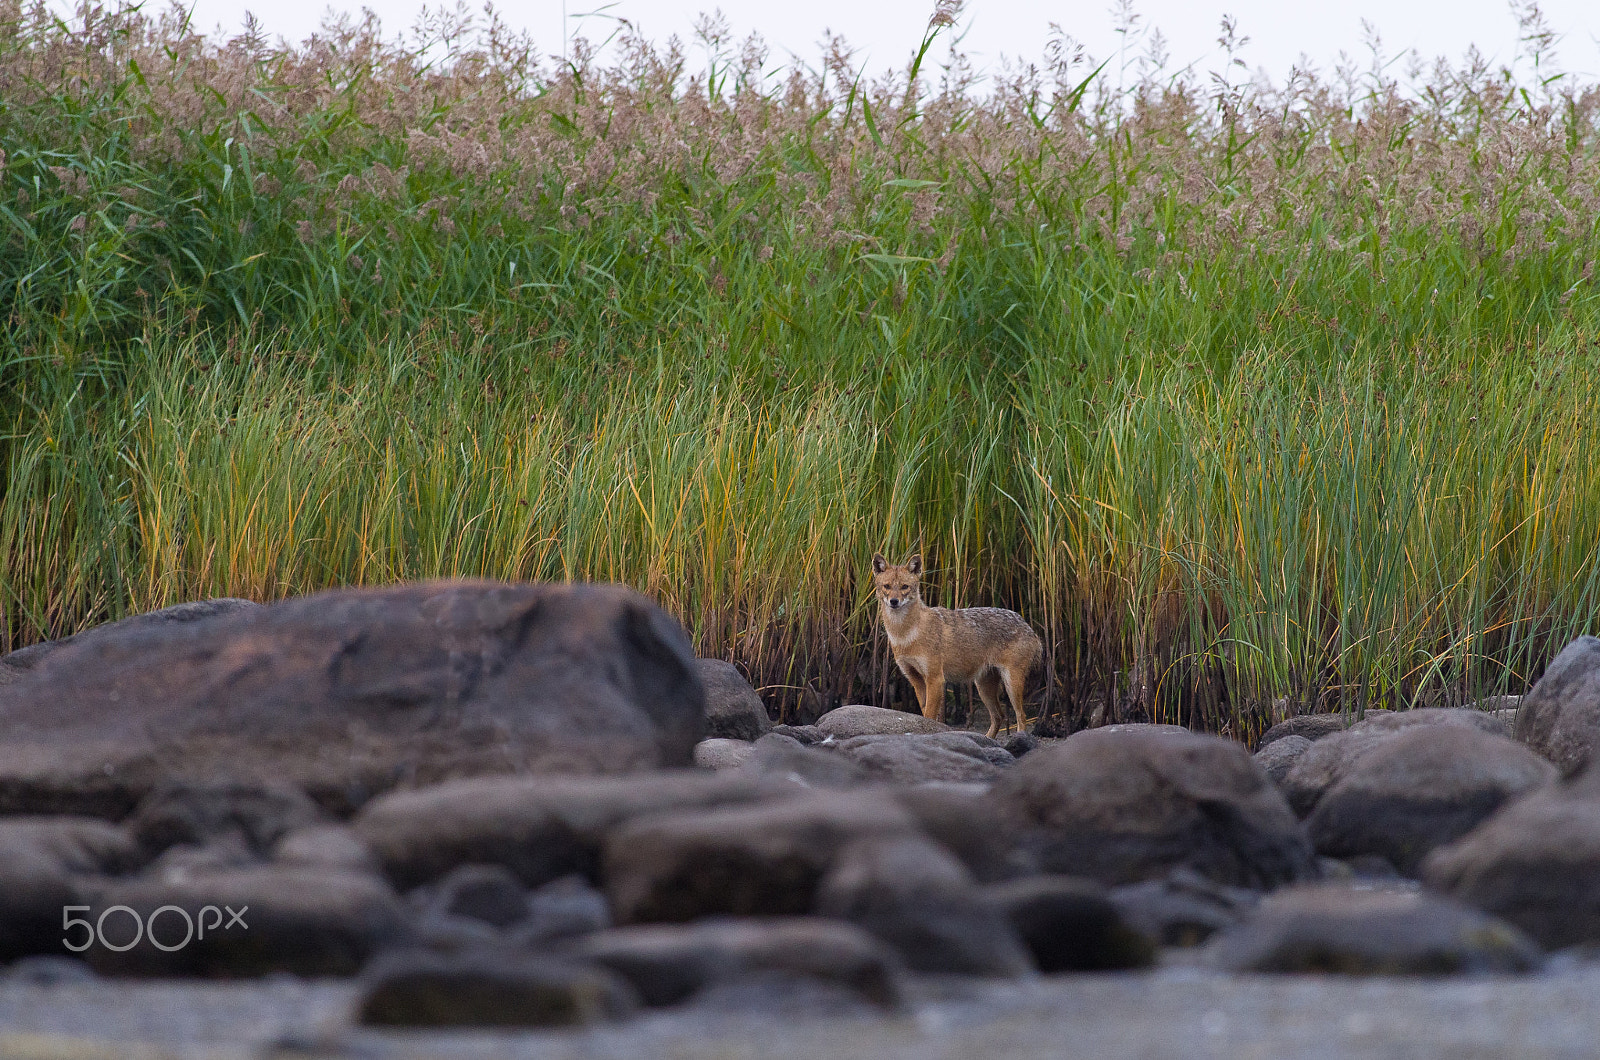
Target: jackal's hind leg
[{"x": 1017, "y": 692}]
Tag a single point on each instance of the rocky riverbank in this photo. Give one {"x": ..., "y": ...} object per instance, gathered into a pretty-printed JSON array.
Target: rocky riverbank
[{"x": 345, "y": 821}]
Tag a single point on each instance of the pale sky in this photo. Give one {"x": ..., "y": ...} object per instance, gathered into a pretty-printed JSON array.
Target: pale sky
[{"x": 887, "y": 31}]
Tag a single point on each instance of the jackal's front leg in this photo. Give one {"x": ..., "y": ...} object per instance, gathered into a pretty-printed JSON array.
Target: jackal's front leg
[
  {"x": 918, "y": 685},
  {"x": 933, "y": 695}
]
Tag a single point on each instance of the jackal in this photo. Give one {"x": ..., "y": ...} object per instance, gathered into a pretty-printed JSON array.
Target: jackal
[{"x": 988, "y": 646}]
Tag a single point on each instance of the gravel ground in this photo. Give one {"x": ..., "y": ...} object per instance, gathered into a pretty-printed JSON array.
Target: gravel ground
[{"x": 1174, "y": 1012}]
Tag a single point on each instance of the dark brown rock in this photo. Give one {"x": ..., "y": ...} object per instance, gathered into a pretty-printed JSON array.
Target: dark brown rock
[
  {"x": 1071, "y": 925},
  {"x": 668, "y": 964},
  {"x": 348, "y": 693},
  {"x": 763, "y": 860},
  {"x": 490, "y": 987},
  {"x": 302, "y": 921},
  {"x": 1536, "y": 864},
  {"x": 541, "y": 828},
  {"x": 1120, "y": 807},
  {"x": 733, "y": 709},
  {"x": 1363, "y": 931},
  {"x": 1325, "y": 763},
  {"x": 1421, "y": 788},
  {"x": 1560, "y": 716}
]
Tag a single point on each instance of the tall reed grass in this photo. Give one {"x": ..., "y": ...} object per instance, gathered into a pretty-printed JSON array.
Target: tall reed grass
[{"x": 1242, "y": 393}]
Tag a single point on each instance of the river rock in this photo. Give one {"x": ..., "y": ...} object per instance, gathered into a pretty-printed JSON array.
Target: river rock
[
  {"x": 301, "y": 921},
  {"x": 733, "y": 709},
  {"x": 1183, "y": 908},
  {"x": 1325, "y": 763},
  {"x": 669, "y": 963},
  {"x": 1279, "y": 756},
  {"x": 722, "y": 753},
  {"x": 541, "y": 827},
  {"x": 806, "y": 734},
  {"x": 931, "y": 757},
  {"x": 490, "y": 893},
  {"x": 562, "y": 909},
  {"x": 42, "y": 860},
  {"x": 1071, "y": 925},
  {"x": 326, "y": 846},
  {"x": 489, "y": 987},
  {"x": 1120, "y": 807},
  {"x": 1560, "y": 716},
  {"x": 1310, "y": 727},
  {"x": 350, "y": 692},
  {"x": 966, "y": 824},
  {"x": 762, "y": 860},
  {"x": 776, "y": 757},
  {"x": 1423, "y": 787},
  {"x": 1536, "y": 864},
  {"x": 915, "y": 896},
  {"x": 1362, "y": 931},
  {"x": 257, "y": 814},
  {"x": 860, "y": 720}
]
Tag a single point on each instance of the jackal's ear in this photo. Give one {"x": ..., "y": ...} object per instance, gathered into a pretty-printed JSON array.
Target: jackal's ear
[
  {"x": 879, "y": 564},
  {"x": 914, "y": 564}
]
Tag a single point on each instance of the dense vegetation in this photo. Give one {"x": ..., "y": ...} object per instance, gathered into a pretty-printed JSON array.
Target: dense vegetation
[{"x": 1239, "y": 392}]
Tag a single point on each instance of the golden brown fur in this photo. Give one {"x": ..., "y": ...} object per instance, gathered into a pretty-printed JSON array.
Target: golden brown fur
[{"x": 988, "y": 646}]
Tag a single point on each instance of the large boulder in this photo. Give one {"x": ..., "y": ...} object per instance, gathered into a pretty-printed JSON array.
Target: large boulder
[
  {"x": 351, "y": 692},
  {"x": 541, "y": 828},
  {"x": 1426, "y": 786},
  {"x": 1325, "y": 763},
  {"x": 1342, "y": 929},
  {"x": 1120, "y": 807},
  {"x": 860, "y": 720},
  {"x": 1536, "y": 864},
  {"x": 193, "y": 611},
  {"x": 733, "y": 709},
  {"x": 1560, "y": 717},
  {"x": 762, "y": 860}
]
